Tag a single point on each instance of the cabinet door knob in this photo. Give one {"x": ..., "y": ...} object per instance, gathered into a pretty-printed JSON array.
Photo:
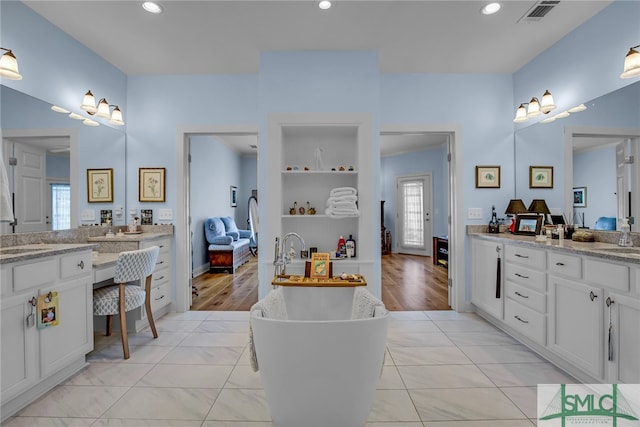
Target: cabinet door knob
[
  {"x": 81, "y": 265},
  {"x": 592, "y": 296},
  {"x": 609, "y": 301}
]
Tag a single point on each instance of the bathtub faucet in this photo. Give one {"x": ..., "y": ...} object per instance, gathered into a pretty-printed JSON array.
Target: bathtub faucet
[{"x": 282, "y": 258}]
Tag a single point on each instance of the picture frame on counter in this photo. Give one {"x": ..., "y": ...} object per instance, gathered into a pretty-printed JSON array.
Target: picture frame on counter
[
  {"x": 100, "y": 185},
  {"x": 540, "y": 176},
  {"x": 528, "y": 224},
  {"x": 151, "y": 184},
  {"x": 487, "y": 176}
]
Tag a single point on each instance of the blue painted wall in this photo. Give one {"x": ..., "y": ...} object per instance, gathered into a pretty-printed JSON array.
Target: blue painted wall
[{"x": 57, "y": 167}]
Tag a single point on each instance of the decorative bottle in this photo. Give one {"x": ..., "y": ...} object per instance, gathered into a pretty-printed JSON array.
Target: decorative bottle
[
  {"x": 351, "y": 247},
  {"x": 494, "y": 225},
  {"x": 342, "y": 249}
]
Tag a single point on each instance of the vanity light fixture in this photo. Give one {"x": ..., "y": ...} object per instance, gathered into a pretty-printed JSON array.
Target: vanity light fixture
[
  {"x": 9, "y": 65},
  {"x": 102, "y": 110},
  {"x": 631, "y": 64},
  {"x": 534, "y": 108}
]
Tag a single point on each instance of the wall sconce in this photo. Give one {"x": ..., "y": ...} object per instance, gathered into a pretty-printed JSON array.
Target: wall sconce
[
  {"x": 9, "y": 65},
  {"x": 102, "y": 110},
  {"x": 631, "y": 64},
  {"x": 534, "y": 108}
]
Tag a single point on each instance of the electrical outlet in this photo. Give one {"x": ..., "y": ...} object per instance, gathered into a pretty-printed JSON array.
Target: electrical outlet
[
  {"x": 165, "y": 214},
  {"x": 474, "y": 213},
  {"x": 88, "y": 215}
]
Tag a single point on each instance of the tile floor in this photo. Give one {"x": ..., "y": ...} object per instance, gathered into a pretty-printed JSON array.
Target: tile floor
[{"x": 442, "y": 369}]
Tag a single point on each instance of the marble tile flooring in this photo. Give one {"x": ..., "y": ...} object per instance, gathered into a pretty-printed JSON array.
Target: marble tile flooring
[{"x": 442, "y": 369}]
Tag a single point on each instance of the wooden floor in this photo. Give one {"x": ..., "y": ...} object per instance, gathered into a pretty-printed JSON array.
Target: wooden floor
[{"x": 409, "y": 282}]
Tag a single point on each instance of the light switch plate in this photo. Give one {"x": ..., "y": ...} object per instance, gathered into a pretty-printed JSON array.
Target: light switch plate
[
  {"x": 88, "y": 215},
  {"x": 165, "y": 214},
  {"x": 474, "y": 213}
]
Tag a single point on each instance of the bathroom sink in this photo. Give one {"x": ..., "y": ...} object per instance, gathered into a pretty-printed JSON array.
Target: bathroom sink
[{"x": 631, "y": 251}]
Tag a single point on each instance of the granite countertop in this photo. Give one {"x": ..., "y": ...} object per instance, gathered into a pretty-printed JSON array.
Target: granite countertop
[
  {"x": 596, "y": 249},
  {"x": 137, "y": 237},
  {"x": 104, "y": 259},
  {"x": 40, "y": 250}
]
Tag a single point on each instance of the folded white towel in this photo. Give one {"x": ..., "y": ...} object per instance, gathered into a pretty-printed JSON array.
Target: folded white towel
[
  {"x": 272, "y": 306},
  {"x": 343, "y": 205},
  {"x": 342, "y": 213},
  {"x": 364, "y": 304},
  {"x": 343, "y": 191},
  {"x": 341, "y": 199}
]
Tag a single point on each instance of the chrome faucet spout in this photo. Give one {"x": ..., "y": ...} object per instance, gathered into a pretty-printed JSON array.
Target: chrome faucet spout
[{"x": 282, "y": 258}]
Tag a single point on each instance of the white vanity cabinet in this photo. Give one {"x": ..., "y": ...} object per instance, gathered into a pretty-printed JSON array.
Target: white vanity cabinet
[
  {"x": 561, "y": 303},
  {"x": 35, "y": 360},
  {"x": 486, "y": 271},
  {"x": 161, "y": 290},
  {"x": 525, "y": 290}
]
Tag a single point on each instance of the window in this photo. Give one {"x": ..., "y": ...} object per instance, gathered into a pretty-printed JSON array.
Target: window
[
  {"x": 413, "y": 213},
  {"x": 60, "y": 206}
]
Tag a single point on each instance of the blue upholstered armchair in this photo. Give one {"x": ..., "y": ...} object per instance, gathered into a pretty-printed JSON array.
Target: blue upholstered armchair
[{"x": 228, "y": 246}]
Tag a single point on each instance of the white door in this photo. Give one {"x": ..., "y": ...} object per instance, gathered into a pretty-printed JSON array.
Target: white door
[
  {"x": 622, "y": 181},
  {"x": 27, "y": 182},
  {"x": 413, "y": 215}
]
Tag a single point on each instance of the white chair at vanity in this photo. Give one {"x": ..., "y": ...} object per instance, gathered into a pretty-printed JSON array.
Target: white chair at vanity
[{"x": 126, "y": 293}]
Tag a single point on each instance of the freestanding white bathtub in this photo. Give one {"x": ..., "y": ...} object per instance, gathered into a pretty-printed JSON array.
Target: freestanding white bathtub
[{"x": 319, "y": 368}]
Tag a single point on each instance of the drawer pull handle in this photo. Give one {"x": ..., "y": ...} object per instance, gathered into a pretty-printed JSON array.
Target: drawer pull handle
[
  {"x": 160, "y": 278},
  {"x": 161, "y": 262},
  {"x": 522, "y": 296},
  {"x": 592, "y": 296},
  {"x": 520, "y": 319},
  {"x": 521, "y": 256},
  {"x": 162, "y": 296},
  {"x": 81, "y": 265},
  {"x": 520, "y": 275},
  {"x": 560, "y": 264}
]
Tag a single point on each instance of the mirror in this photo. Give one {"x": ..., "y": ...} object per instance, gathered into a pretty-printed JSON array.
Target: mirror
[
  {"x": 68, "y": 149},
  {"x": 591, "y": 151}
]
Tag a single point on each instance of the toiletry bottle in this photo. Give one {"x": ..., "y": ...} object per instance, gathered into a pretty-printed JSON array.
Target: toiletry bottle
[
  {"x": 494, "y": 225},
  {"x": 351, "y": 247},
  {"x": 341, "y": 247},
  {"x": 625, "y": 236},
  {"x": 560, "y": 232}
]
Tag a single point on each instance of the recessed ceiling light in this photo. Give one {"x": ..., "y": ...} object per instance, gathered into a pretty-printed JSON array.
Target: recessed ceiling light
[
  {"x": 324, "y": 4},
  {"x": 152, "y": 7},
  {"x": 90, "y": 122},
  {"x": 490, "y": 8},
  {"x": 577, "y": 109},
  {"x": 548, "y": 120},
  {"x": 76, "y": 116},
  {"x": 59, "y": 109},
  {"x": 562, "y": 115}
]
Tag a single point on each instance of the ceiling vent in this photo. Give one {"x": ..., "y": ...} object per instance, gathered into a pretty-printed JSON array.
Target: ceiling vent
[{"x": 539, "y": 10}]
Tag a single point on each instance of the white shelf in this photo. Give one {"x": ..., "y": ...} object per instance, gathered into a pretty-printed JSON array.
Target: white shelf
[
  {"x": 292, "y": 172},
  {"x": 317, "y": 216}
]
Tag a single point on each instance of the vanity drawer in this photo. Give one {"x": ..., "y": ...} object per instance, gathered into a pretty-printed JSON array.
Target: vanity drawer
[
  {"x": 604, "y": 273},
  {"x": 526, "y": 321},
  {"x": 162, "y": 261},
  {"x": 532, "y": 258},
  {"x": 76, "y": 264},
  {"x": 526, "y": 296},
  {"x": 34, "y": 274},
  {"x": 160, "y": 276},
  {"x": 565, "y": 265},
  {"x": 534, "y": 279},
  {"x": 163, "y": 244},
  {"x": 160, "y": 296}
]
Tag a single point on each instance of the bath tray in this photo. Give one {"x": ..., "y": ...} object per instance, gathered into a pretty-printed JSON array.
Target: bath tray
[{"x": 337, "y": 282}]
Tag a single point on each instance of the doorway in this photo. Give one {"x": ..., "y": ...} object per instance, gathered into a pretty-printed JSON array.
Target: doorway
[{"x": 417, "y": 173}]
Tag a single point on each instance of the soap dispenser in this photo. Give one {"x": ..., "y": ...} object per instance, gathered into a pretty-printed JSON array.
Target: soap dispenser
[{"x": 625, "y": 234}]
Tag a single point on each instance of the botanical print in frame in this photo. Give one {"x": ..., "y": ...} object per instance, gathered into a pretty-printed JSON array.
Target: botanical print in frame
[
  {"x": 487, "y": 176},
  {"x": 540, "y": 176},
  {"x": 100, "y": 185},
  {"x": 151, "y": 184},
  {"x": 579, "y": 197}
]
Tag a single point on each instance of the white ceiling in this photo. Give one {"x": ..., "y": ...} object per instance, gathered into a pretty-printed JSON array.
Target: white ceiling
[{"x": 214, "y": 36}]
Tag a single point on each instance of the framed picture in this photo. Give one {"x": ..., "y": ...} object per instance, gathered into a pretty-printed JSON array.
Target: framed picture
[
  {"x": 233, "y": 196},
  {"x": 579, "y": 197},
  {"x": 529, "y": 224},
  {"x": 100, "y": 185},
  {"x": 540, "y": 176},
  {"x": 487, "y": 176},
  {"x": 151, "y": 184},
  {"x": 319, "y": 265}
]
